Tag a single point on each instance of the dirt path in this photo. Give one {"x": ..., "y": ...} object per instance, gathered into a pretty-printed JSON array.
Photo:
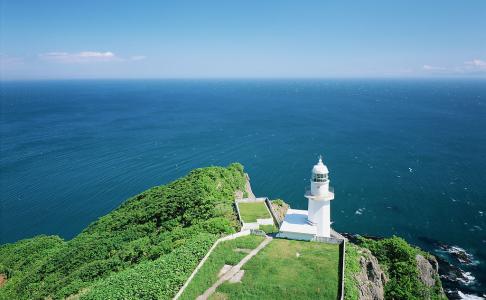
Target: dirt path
[
  {"x": 232, "y": 272},
  {"x": 3, "y": 279}
]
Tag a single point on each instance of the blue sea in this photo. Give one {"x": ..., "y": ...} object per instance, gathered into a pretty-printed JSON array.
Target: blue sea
[{"x": 406, "y": 157}]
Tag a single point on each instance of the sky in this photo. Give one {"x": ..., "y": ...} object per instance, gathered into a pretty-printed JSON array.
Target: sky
[{"x": 65, "y": 39}]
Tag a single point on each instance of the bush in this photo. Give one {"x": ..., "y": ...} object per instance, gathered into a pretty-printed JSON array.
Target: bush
[
  {"x": 398, "y": 258},
  {"x": 25, "y": 254},
  {"x": 144, "y": 228},
  {"x": 6, "y": 271},
  {"x": 159, "y": 279}
]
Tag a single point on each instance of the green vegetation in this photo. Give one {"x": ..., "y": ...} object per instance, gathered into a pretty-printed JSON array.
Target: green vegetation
[
  {"x": 398, "y": 259},
  {"x": 23, "y": 255},
  {"x": 226, "y": 253},
  {"x": 147, "y": 248},
  {"x": 252, "y": 211},
  {"x": 159, "y": 279},
  {"x": 288, "y": 269},
  {"x": 269, "y": 228},
  {"x": 165, "y": 228},
  {"x": 279, "y": 202},
  {"x": 351, "y": 268},
  {"x": 280, "y": 208}
]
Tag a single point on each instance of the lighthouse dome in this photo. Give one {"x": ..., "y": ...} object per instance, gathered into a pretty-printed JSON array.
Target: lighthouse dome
[{"x": 320, "y": 168}]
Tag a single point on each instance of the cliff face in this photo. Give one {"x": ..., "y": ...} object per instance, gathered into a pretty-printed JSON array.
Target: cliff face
[
  {"x": 428, "y": 270},
  {"x": 372, "y": 278},
  {"x": 246, "y": 192}
]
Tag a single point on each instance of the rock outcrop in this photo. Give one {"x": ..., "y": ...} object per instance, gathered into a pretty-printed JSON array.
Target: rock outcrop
[
  {"x": 428, "y": 269},
  {"x": 247, "y": 192},
  {"x": 429, "y": 273},
  {"x": 371, "y": 279}
]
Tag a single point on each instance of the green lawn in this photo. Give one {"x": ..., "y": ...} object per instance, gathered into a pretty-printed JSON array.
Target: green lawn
[
  {"x": 223, "y": 254},
  {"x": 287, "y": 269},
  {"x": 268, "y": 228},
  {"x": 250, "y": 212}
]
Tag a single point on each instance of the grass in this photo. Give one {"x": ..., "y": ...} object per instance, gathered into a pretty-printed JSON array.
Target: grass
[
  {"x": 224, "y": 254},
  {"x": 250, "y": 212},
  {"x": 351, "y": 268},
  {"x": 288, "y": 269},
  {"x": 268, "y": 228}
]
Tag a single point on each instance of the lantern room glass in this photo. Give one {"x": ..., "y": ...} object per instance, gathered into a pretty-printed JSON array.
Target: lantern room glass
[{"x": 319, "y": 178}]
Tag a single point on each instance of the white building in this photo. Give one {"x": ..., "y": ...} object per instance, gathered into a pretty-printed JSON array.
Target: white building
[{"x": 316, "y": 221}]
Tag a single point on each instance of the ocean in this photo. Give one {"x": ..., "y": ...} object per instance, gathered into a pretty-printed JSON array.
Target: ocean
[{"x": 406, "y": 157}]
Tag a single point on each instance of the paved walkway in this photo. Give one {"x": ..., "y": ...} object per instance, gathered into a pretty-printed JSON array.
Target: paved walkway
[{"x": 232, "y": 272}]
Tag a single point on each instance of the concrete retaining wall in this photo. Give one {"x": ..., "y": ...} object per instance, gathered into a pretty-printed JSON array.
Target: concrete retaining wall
[
  {"x": 329, "y": 240},
  {"x": 238, "y": 214},
  {"x": 295, "y": 236},
  {"x": 342, "y": 265},
  {"x": 258, "y": 232},
  {"x": 273, "y": 213}
]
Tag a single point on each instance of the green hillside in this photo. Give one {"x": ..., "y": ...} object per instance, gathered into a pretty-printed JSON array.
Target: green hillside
[{"x": 146, "y": 248}]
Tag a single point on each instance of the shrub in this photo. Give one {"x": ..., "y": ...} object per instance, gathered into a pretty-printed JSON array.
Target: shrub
[
  {"x": 144, "y": 228},
  {"x": 25, "y": 254},
  {"x": 398, "y": 258},
  {"x": 278, "y": 202},
  {"x": 159, "y": 279}
]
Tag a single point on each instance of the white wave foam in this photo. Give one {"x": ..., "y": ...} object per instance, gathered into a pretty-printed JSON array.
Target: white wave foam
[
  {"x": 461, "y": 254},
  {"x": 469, "y": 296},
  {"x": 467, "y": 278}
]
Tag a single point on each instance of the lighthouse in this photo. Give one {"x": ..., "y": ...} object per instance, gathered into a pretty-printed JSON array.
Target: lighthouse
[
  {"x": 319, "y": 198},
  {"x": 313, "y": 224}
]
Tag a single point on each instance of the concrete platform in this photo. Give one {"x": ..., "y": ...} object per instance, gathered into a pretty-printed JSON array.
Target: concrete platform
[{"x": 295, "y": 226}]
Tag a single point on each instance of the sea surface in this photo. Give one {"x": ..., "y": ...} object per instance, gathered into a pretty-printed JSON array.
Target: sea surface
[{"x": 406, "y": 157}]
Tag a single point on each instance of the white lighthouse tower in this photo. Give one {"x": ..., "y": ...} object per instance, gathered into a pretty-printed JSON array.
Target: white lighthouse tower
[
  {"x": 320, "y": 196},
  {"x": 315, "y": 222}
]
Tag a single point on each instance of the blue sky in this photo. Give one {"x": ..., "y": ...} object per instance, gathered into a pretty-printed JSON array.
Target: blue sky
[{"x": 241, "y": 39}]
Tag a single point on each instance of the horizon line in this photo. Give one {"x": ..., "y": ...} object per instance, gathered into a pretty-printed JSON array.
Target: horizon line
[{"x": 250, "y": 78}]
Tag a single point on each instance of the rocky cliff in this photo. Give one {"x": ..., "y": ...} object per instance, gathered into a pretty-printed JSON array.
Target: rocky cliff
[
  {"x": 371, "y": 279},
  {"x": 389, "y": 275}
]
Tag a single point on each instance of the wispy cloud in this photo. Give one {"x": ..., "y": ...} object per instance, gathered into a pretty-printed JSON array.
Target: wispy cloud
[
  {"x": 79, "y": 57},
  {"x": 86, "y": 57},
  {"x": 475, "y": 66},
  {"x": 476, "y": 63},
  {"x": 432, "y": 68}
]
